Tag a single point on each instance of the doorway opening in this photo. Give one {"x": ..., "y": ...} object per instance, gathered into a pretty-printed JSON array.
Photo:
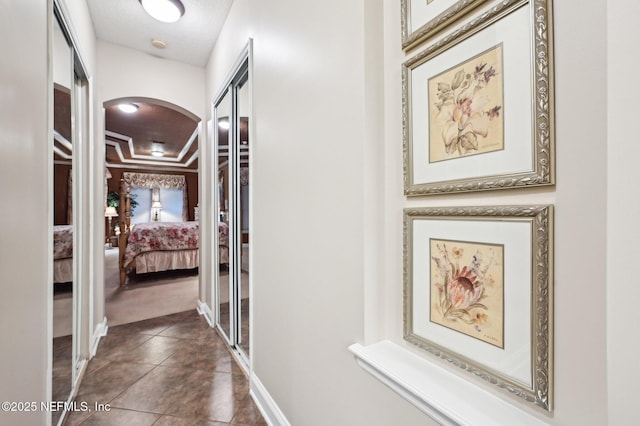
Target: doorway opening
[{"x": 151, "y": 209}]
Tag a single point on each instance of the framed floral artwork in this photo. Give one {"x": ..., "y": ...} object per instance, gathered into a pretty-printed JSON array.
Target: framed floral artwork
[
  {"x": 422, "y": 19},
  {"x": 478, "y": 105},
  {"x": 478, "y": 293}
]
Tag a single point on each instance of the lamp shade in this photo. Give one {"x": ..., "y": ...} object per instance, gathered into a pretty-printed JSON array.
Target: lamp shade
[
  {"x": 110, "y": 212},
  {"x": 156, "y": 205}
]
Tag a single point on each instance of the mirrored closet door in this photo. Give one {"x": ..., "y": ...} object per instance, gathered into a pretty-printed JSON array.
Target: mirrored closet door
[
  {"x": 241, "y": 190},
  {"x": 231, "y": 135},
  {"x": 63, "y": 294},
  {"x": 223, "y": 185},
  {"x": 70, "y": 133}
]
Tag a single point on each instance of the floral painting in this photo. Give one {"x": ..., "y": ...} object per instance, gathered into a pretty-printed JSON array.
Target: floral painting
[
  {"x": 467, "y": 289},
  {"x": 466, "y": 108}
]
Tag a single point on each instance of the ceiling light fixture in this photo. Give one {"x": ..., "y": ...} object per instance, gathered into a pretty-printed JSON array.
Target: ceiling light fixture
[
  {"x": 223, "y": 123},
  {"x": 164, "y": 10},
  {"x": 128, "y": 108},
  {"x": 157, "y": 149}
]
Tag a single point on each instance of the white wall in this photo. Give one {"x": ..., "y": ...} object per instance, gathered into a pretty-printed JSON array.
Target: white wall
[
  {"x": 25, "y": 122},
  {"x": 310, "y": 112},
  {"x": 310, "y": 302},
  {"x": 314, "y": 189},
  {"x": 623, "y": 210},
  {"x": 580, "y": 215},
  {"x": 24, "y": 139},
  {"x": 127, "y": 72},
  {"x": 82, "y": 28},
  {"x": 579, "y": 197},
  {"x": 123, "y": 72}
]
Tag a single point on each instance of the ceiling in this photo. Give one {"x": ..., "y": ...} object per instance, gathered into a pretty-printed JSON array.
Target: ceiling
[
  {"x": 189, "y": 40},
  {"x": 130, "y": 137}
]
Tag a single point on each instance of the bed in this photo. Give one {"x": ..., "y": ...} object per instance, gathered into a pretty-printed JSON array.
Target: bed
[
  {"x": 160, "y": 246},
  {"x": 62, "y": 254}
]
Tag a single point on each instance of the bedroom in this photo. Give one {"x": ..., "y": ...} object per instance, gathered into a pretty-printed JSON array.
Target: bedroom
[
  {"x": 151, "y": 155},
  {"x": 169, "y": 177}
]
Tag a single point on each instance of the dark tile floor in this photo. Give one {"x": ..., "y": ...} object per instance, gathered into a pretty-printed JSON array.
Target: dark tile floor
[
  {"x": 172, "y": 370},
  {"x": 61, "y": 377}
]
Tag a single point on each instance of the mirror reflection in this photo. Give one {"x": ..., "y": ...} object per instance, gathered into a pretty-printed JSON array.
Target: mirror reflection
[
  {"x": 62, "y": 219},
  {"x": 232, "y": 144},
  {"x": 243, "y": 208},
  {"x": 223, "y": 114}
]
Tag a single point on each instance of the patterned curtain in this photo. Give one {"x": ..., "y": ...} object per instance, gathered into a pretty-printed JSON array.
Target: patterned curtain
[
  {"x": 70, "y": 199},
  {"x": 244, "y": 176},
  {"x": 107, "y": 176}
]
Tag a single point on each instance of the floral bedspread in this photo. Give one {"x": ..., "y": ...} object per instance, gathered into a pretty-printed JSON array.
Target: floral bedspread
[
  {"x": 161, "y": 236},
  {"x": 62, "y": 241},
  {"x": 223, "y": 234}
]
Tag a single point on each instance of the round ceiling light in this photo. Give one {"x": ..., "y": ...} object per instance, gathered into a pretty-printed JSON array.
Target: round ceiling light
[
  {"x": 164, "y": 10},
  {"x": 128, "y": 108},
  {"x": 223, "y": 123}
]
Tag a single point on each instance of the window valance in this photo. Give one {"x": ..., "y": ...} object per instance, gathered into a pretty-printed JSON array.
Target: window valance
[{"x": 152, "y": 180}]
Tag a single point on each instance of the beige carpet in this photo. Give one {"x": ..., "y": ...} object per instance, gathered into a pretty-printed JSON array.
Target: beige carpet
[
  {"x": 62, "y": 313},
  {"x": 147, "y": 295}
]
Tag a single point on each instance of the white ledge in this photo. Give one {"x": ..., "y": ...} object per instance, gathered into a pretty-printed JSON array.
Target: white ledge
[{"x": 442, "y": 395}]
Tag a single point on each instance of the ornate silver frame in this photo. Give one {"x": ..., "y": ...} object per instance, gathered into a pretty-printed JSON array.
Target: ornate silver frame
[
  {"x": 542, "y": 97},
  {"x": 541, "y": 316},
  {"x": 413, "y": 37}
]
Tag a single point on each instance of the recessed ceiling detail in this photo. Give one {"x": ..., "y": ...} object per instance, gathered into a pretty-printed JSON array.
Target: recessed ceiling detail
[
  {"x": 62, "y": 148},
  {"x": 136, "y": 140}
]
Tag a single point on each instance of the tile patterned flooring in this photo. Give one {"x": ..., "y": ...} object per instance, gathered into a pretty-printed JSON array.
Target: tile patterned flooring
[
  {"x": 171, "y": 370},
  {"x": 61, "y": 377}
]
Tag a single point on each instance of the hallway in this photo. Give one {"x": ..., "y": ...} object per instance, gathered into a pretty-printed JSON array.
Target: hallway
[{"x": 171, "y": 370}]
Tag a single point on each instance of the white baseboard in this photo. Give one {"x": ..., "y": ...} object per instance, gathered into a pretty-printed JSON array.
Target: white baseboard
[
  {"x": 205, "y": 310},
  {"x": 267, "y": 406},
  {"x": 98, "y": 333}
]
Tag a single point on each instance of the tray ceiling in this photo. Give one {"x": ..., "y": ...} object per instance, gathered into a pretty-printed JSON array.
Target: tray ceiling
[{"x": 130, "y": 138}]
